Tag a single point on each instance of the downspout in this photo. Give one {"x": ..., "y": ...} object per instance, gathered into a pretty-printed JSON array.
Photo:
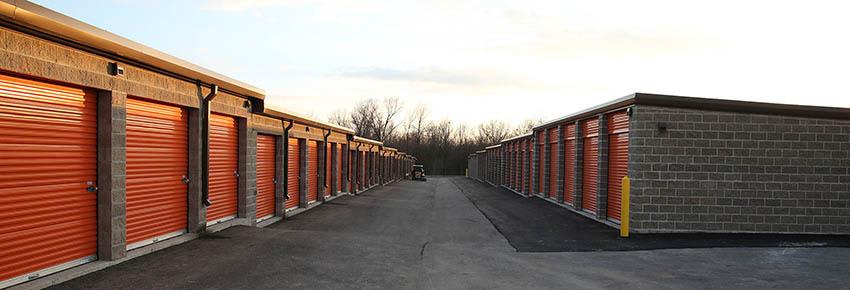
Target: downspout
[
  {"x": 327, "y": 154},
  {"x": 205, "y": 145},
  {"x": 286, "y": 160}
]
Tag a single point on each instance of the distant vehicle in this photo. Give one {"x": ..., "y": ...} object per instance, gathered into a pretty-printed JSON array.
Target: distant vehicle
[{"x": 418, "y": 172}]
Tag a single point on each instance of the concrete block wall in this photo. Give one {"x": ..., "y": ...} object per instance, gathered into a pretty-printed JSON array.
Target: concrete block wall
[{"x": 707, "y": 171}]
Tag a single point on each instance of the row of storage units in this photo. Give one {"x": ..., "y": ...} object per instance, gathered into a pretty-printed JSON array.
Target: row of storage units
[
  {"x": 657, "y": 163},
  {"x": 562, "y": 161},
  {"x": 565, "y": 161},
  {"x": 111, "y": 149}
]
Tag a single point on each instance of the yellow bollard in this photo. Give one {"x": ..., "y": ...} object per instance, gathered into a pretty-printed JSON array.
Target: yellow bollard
[{"x": 624, "y": 209}]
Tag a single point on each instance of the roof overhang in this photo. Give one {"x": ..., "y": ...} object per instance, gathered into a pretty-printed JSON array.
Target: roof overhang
[
  {"x": 526, "y": 135},
  {"x": 275, "y": 112},
  {"x": 705, "y": 104},
  {"x": 47, "y": 21},
  {"x": 367, "y": 141}
]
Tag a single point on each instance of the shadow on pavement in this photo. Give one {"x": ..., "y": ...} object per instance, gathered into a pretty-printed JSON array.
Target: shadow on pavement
[{"x": 535, "y": 225}]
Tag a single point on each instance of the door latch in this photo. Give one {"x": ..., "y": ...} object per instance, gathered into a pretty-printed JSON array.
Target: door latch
[
  {"x": 185, "y": 179},
  {"x": 90, "y": 187},
  {"x": 236, "y": 173}
]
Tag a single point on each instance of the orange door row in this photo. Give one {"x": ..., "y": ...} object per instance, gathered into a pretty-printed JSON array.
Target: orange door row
[{"x": 49, "y": 134}]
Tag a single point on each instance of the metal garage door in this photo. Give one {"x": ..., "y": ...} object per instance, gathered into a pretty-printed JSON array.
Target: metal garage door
[
  {"x": 590, "y": 166},
  {"x": 293, "y": 173},
  {"x": 517, "y": 166},
  {"x": 350, "y": 182},
  {"x": 569, "y": 163},
  {"x": 328, "y": 164},
  {"x": 362, "y": 172},
  {"x": 340, "y": 182},
  {"x": 266, "y": 175},
  {"x": 618, "y": 161},
  {"x": 48, "y": 140},
  {"x": 553, "y": 163},
  {"x": 541, "y": 162},
  {"x": 157, "y": 163},
  {"x": 523, "y": 170},
  {"x": 224, "y": 162},
  {"x": 312, "y": 171}
]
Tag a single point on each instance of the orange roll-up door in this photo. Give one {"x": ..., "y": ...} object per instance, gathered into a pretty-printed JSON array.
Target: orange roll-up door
[
  {"x": 515, "y": 165},
  {"x": 328, "y": 163},
  {"x": 48, "y": 144},
  {"x": 340, "y": 182},
  {"x": 363, "y": 173},
  {"x": 569, "y": 163},
  {"x": 553, "y": 163},
  {"x": 541, "y": 162},
  {"x": 590, "y": 133},
  {"x": 522, "y": 170},
  {"x": 293, "y": 171},
  {"x": 266, "y": 156},
  {"x": 224, "y": 162},
  {"x": 618, "y": 161},
  {"x": 312, "y": 171},
  {"x": 157, "y": 162}
]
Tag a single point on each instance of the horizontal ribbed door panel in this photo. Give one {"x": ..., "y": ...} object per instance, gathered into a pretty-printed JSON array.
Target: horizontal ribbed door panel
[
  {"x": 569, "y": 163},
  {"x": 293, "y": 171},
  {"x": 266, "y": 156},
  {"x": 590, "y": 133},
  {"x": 328, "y": 163},
  {"x": 517, "y": 166},
  {"x": 48, "y": 144},
  {"x": 618, "y": 161},
  {"x": 553, "y": 163},
  {"x": 362, "y": 170},
  {"x": 523, "y": 170},
  {"x": 224, "y": 162},
  {"x": 340, "y": 182},
  {"x": 350, "y": 171},
  {"x": 541, "y": 162},
  {"x": 157, "y": 162},
  {"x": 312, "y": 171}
]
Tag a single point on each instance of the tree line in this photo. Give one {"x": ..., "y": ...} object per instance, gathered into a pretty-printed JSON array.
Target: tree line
[{"x": 441, "y": 145}]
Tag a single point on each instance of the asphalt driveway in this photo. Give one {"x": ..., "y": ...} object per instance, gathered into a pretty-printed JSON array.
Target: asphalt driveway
[{"x": 429, "y": 235}]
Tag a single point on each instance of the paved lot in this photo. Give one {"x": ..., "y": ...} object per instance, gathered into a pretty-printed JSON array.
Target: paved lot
[
  {"x": 536, "y": 225},
  {"x": 428, "y": 235}
]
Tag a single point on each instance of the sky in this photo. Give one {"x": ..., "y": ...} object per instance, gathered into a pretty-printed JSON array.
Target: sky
[{"x": 472, "y": 61}]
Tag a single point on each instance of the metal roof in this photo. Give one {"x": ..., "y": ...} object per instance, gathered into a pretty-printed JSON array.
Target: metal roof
[
  {"x": 275, "y": 112},
  {"x": 518, "y": 137},
  {"x": 367, "y": 140},
  {"x": 706, "y": 104}
]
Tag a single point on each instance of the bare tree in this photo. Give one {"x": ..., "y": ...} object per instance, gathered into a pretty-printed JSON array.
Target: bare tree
[
  {"x": 385, "y": 121},
  {"x": 340, "y": 117},
  {"x": 416, "y": 124},
  {"x": 525, "y": 127},
  {"x": 492, "y": 132},
  {"x": 363, "y": 118},
  {"x": 442, "y": 146}
]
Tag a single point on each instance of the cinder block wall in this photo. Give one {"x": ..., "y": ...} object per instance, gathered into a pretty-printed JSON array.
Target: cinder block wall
[{"x": 736, "y": 172}]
